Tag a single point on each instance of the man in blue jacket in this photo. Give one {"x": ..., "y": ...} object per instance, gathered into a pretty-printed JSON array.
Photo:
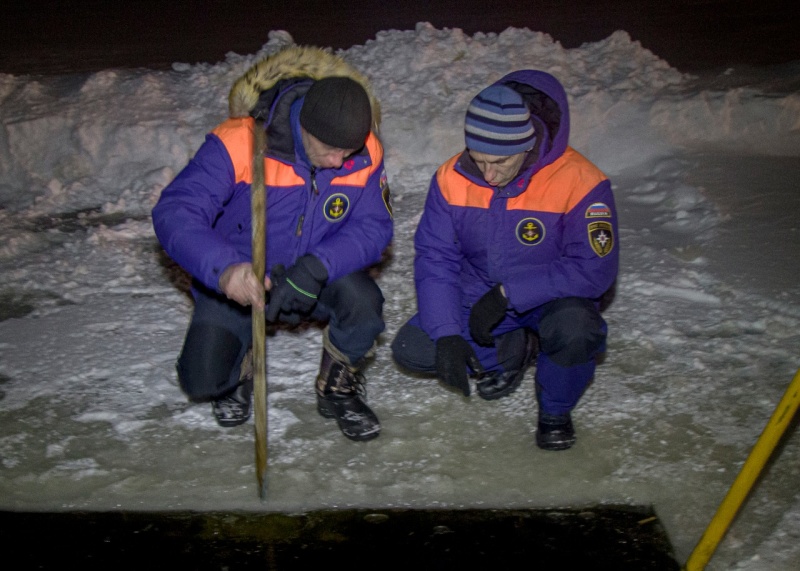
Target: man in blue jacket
[
  {"x": 328, "y": 221},
  {"x": 514, "y": 251}
]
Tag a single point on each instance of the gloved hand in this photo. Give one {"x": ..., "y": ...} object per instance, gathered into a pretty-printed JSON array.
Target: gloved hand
[
  {"x": 453, "y": 355},
  {"x": 487, "y": 312},
  {"x": 295, "y": 290}
]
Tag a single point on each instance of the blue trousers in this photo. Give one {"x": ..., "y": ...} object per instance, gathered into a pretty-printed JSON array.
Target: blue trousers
[
  {"x": 571, "y": 333},
  {"x": 221, "y": 332}
]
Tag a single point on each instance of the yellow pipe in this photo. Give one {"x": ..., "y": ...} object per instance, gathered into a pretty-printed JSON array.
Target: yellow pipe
[{"x": 761, "y": 452}]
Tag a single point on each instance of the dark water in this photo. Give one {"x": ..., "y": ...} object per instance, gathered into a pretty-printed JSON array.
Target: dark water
[
  {"x": 52, "y": 36},
  {"x": 623, "y": 539}
]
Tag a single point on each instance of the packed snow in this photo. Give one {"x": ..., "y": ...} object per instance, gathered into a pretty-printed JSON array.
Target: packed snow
[{"x": 704, "y": 324}]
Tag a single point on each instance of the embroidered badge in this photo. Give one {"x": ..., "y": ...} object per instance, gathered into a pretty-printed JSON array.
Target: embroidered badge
[
  {"x": 598, "y": 210},
  {"x": 530, "y": 231},
  {"x": 601, "y": 237},
  {"x": 336, "y": 207},
  {"x": 386, "y": 194}
]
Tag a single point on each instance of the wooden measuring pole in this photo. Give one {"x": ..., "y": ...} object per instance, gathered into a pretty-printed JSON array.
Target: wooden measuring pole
[{"x": 258, "y": 202}]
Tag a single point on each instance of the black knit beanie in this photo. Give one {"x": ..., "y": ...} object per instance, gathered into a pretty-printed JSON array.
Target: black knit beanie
[{"x": 336, "y": 111}]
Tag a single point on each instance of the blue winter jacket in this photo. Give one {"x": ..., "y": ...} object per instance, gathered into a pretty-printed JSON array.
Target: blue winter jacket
[
  {"x": 342, "y": 216},
  {"x": 548, "y": 234}
]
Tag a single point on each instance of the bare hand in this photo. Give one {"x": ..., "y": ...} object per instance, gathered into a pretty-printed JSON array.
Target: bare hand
[{"x": 239, "y": 283}]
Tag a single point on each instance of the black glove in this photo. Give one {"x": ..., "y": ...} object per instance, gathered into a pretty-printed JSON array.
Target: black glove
[
  {"x": 453, "y": 354},
  {"x": 295, "y": 290},
  {"x": 487, "y": 312}
]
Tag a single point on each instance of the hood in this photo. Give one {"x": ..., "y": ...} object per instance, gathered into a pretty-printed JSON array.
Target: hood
[
  {"x": 254, "y": 92},
  {"x": 547, "y": 100}
]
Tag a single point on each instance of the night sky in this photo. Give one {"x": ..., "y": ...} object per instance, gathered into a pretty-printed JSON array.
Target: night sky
[{"x": 88, "y": 35}]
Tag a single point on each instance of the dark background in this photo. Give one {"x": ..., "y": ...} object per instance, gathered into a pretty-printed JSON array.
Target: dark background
[{"x": 52, "y": 36}]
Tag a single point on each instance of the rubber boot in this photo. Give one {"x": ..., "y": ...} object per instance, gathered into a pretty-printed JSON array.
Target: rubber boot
[
  {"x": 555, "y": 431},
  {"x": 341, "y": 395}
]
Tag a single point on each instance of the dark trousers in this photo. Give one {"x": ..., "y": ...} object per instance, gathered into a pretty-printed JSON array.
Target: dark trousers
[
  {"x": 571, "y": 333},
  {"x": 221, "y": 332}
]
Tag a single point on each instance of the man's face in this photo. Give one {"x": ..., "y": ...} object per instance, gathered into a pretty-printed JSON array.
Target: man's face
[
  {"x": 321, "y": 155},
  {"x": 498, "y": 170}
]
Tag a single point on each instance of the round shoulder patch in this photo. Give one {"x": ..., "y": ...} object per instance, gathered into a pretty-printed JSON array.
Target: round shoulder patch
[
  {"x": 530, "y": 231},
  {"x": 336, "y": 207}
]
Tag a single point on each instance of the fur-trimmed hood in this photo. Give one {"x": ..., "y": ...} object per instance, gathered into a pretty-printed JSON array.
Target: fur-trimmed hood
[{"x": 293, "y": 62}]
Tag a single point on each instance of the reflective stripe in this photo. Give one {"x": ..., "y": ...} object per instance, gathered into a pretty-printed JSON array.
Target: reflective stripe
[
  {"x": 300, "y": 290},
  {"x": 557, "y": 188},
  {"x": 281, "y": 174},
  {"x": 458, "y": 191},
  {"x": 237, "y": 136},
  {"x": 361, "y": 177}
]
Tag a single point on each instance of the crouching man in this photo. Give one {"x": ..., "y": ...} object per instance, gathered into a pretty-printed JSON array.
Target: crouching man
[
  {"x": 328, "y": 220},
  {"x": 514, "y": 250}
]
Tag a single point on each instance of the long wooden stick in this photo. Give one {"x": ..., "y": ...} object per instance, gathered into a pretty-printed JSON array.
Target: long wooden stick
[{"x": 258, "y": 203}]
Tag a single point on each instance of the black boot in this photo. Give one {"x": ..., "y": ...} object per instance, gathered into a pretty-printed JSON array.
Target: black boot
[
  {"x": 340, "y": 395},
  {"x": 503, "y": 383},
  {"x": 233, "y": 408},
  {"x": 555, "y": 432}
]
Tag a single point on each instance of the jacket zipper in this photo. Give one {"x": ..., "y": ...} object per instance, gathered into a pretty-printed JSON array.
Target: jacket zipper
[
  {"x": 299, "y": 230},
  {"x": 314, "y": 181}
]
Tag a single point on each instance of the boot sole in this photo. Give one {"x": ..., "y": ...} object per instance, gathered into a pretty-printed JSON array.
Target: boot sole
[
  {"x": 324, "y": 411},
  {"x": 232, "y": 423},
  {"x": 555, "y": 446}
]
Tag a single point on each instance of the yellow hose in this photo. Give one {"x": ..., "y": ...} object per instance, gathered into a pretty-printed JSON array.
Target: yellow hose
[{"x": 761, "y": 452}]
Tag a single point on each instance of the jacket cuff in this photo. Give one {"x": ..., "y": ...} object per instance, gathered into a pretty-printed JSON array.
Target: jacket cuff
[{"x": 313, "y": 266}]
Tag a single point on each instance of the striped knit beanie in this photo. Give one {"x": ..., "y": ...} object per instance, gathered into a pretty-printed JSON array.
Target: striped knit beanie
[{"x": 499, "y": 123}]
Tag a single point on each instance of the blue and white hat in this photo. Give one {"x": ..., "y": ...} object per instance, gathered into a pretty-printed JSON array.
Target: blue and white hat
[{"x": 499, "y": 123}]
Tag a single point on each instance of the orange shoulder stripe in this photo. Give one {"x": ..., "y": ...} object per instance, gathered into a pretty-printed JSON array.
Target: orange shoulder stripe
[
  {"x": 360, "y": 178},
  {"x": 277, "y": 173},
  {"x": 559, "y": 186},
  {"x": 457, "y": 193},
  {"x": 237, "y": 136}
]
